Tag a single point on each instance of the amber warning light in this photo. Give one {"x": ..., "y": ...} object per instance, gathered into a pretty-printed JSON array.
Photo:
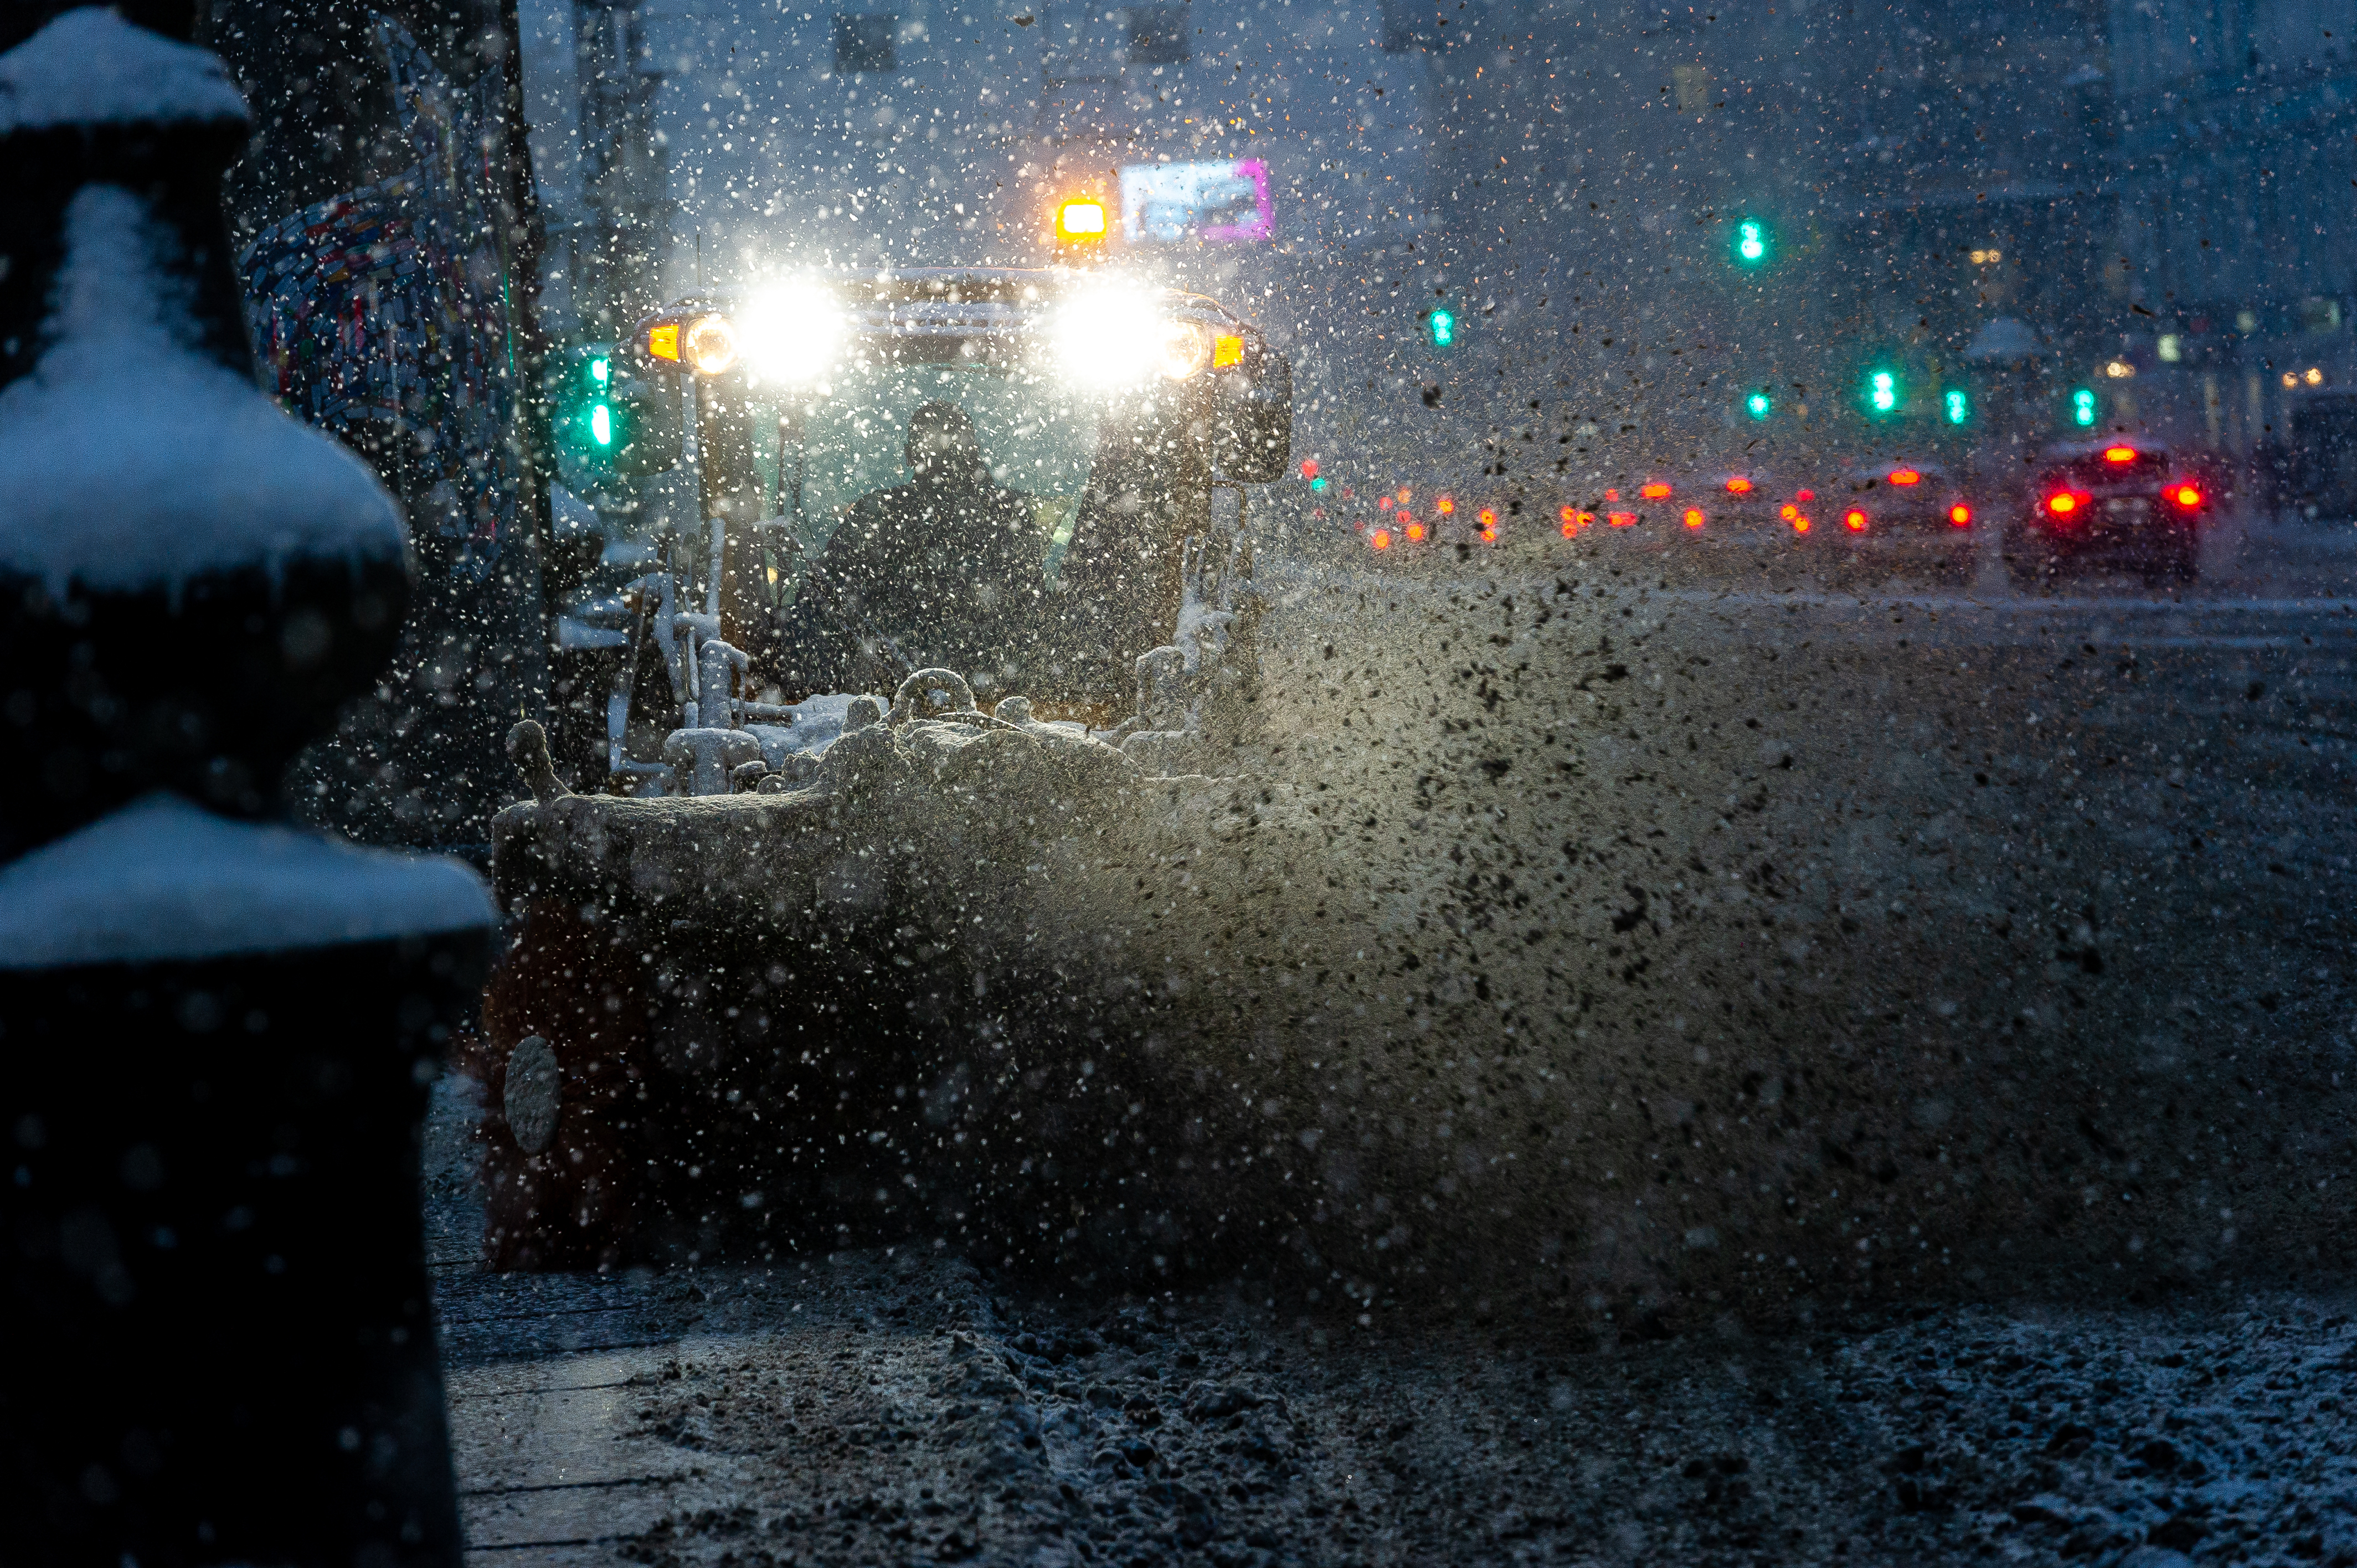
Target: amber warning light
[{"x": 1080, "y": 220}]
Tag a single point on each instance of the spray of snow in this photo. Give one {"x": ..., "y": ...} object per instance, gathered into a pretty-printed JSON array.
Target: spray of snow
[
  {"x": 90, "y": 67},
  {"x": 129, "y": 460},
  {"x": 162, "y": 881}
]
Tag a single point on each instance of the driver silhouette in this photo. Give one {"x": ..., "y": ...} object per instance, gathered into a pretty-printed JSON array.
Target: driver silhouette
[{"x": 944, "y": 571}]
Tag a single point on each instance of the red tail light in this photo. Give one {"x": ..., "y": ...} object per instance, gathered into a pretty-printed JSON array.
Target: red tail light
[
  {"x": 1905, "y": 476},
  {"x": 1804, "y": 495},
  {"x": 1693, "y": 517},
  {"x": 1445, "y": 507},
  {"x": 1414, "y": 530},
  {"x": 1384, "y": 503},
  {"x": 1738, "y": 486},
  {"x": 1655, "y": 491},
  {"x": 1575, "y": 519},
  {"x": 1381, "y": 539},
  {"x": 1489, "y": 518},
  {"x": 2185, "y": 495},
  {"x": 2067, "y": 503},
  {"x": 2119, "y": 453},
  {"x": 1854, "y": 519},
  {"x": 1622, "y": 519},
  {"x": 1961, "y": 515}
]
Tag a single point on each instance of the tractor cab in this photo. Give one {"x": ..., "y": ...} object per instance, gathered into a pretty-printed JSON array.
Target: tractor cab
[{"x": 1002, "y": 473}]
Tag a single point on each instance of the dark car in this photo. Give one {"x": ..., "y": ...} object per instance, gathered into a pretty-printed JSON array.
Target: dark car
[
  {"x": 1905, "y": 516},
  {"x": 2122, "y": 504}
]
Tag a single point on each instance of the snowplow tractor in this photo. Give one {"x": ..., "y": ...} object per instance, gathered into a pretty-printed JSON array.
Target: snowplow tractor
[{"x": 960, "y": 651}]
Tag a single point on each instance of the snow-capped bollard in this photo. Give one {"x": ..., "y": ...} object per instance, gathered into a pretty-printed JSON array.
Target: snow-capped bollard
[{"x": 220, "y": 1031}]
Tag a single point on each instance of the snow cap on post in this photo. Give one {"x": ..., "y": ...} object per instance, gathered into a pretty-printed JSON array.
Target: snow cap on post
[
  {"x": 90, "y": 67},
  {"x": 129, "y": 459},
  {"x": 191, "y": 581}
]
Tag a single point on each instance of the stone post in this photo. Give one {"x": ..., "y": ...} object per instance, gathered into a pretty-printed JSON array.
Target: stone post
[{"x": 220, "y": 1029}]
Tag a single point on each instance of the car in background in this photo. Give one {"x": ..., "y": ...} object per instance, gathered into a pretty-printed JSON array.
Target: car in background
[
  {"x": 1409, "y": 514},
  {"x": 2124, "y": 504},
  {"x": 1744, "y": 502},
  {"x": 1901, "y": 517}
]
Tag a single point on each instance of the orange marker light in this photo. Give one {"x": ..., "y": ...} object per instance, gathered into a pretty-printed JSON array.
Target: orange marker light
[
  {"x": 1905, "y": 476},
  {"x": 662, "y": 341},
  {"x": 1226, "y": 348},
  {"x": 1693, "y": 517},
  {"x": 1655, "y": 491},
  {"x": 1854, "y": 519},
  {"x": 1445, "y": 507},
  {"x": 1738, "y": 486},
  {"x": 1961, "y": 515},
  {"x": 1080, "y": 219},
  {"x": 2119, "y": 453},
  {"x": 1622, "y": 519},
  {"x": 1383, "y": 539}
]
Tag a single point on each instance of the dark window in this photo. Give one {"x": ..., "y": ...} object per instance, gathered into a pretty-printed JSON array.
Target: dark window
[
  {"x": 1158, "y": 35},
  {"x": 864, "y": 43}
]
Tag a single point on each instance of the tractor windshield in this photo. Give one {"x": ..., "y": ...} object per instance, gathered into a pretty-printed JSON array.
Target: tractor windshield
[{"x": 1037, "y": 436}]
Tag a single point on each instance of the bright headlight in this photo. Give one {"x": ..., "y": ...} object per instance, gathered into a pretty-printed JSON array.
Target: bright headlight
[
  {"x": 1112, "y": 337},
  {"x": 792, "y": 334},
  {"x": 710, "y": 345}
]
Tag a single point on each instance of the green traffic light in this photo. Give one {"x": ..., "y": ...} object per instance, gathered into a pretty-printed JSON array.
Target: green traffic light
[
  {"x": 2082, "y": 406},
  {"x": 1760, "y": 405},
  {"x": 1442, "y": 325},
  {"x": 601, "y": 370},
  {"x": 1317, "y": 484},
  {"x": 1959, "y": 405},
  {"x": 1883, "y": 392},
  {"x": 601, "y": 424},
  {"x": 1750, "y": 242}
]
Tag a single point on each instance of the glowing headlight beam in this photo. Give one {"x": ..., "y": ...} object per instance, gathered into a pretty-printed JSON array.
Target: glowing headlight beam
[
  {"x": 792, "y": 334},
  {"x": 1112, "y": 337},
  {"x": 710, "y": 345}
]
